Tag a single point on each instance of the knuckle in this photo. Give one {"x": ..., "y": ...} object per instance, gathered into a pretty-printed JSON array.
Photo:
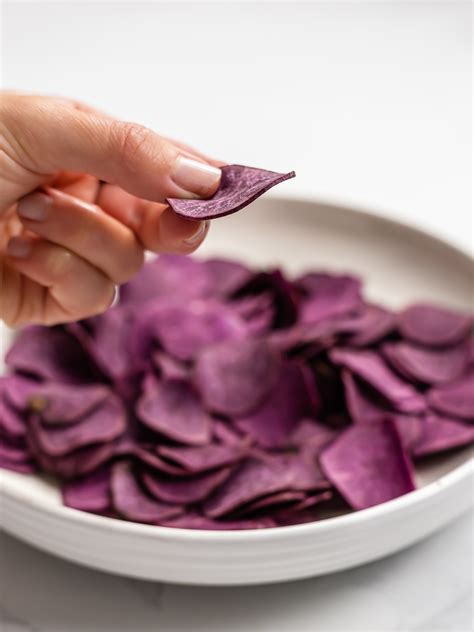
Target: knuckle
[{"x": 131, "y": 141}]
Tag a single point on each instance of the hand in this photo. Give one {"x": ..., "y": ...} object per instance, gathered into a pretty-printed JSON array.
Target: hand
[{"x": 66, "y": 240}]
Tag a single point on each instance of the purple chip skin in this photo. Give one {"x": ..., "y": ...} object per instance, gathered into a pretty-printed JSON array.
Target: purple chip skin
[
  {"x": 131, "y": 502},
  {"x": 235, "y": 377},
  {"x": 363, "y": 405},
  {"x": 441, "y": 434},
  {"x": 239, "y": 187},
  {"x": 102, "y": 425},
  {"x": 368, "y": 465},
  {"x": 370, "y": 367},
  {"x": 12, "y": 421},
  {"x": 456, "y": 398},
  {"x": 368, "y": 326},
  {"x": 48, "y": 353},
  {"x": 411, "y": 429},
  {"x": 329, "y": 296},
  {"x": 185, "y": 330},
  {"x": 63, "y": 403},
  {"x": 225, "y": 276},
  {"x": 185, "y": 491},
  {"x": 196, "y": 521},
  {"x": 15, "y": 390},
  {"x": 161, "y": 278},
  {"x": 433, "y": 326},
  {"x": 207, "y": 457},
  {"x": 289, "y": 401},
  {"x": 257, "y": 478},
  {"x": 173, "y": 409},
  {"x": 89, "y": 493},
  {"x": 429, "y": 366}
]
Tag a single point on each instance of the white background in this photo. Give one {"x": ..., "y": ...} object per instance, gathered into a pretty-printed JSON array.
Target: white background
[{"x": 370, "y": 103}]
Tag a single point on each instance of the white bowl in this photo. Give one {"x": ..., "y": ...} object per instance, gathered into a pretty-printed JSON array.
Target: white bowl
[{"x": 399, "y": 264}]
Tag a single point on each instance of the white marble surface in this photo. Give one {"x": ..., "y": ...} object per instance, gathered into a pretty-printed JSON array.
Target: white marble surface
[
  {"x": 370, "y": 104},
  {"x": 427, "y": 588}
]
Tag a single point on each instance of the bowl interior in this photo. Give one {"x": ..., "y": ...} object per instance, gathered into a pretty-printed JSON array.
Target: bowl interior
[{"x": 399, "y": 265}]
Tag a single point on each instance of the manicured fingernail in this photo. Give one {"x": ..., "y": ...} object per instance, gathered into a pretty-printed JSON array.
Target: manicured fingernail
[
  {"x": 18, "y": 247},
  {"x": 196, "y": 177},
  {"x": 198, "y": 235},
  {"x": 34, "y": 206}
]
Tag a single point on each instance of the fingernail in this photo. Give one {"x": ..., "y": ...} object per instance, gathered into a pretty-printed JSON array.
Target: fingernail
[
  {"x": 18, "y": 247},
  {"x": 196, "y": 177},
  {"x": 198, "y": 235},
  {"x": 34, "y": 206}
]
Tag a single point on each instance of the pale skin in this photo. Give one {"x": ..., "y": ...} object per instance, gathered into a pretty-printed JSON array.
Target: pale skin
[{"x": 81, "y": 199}]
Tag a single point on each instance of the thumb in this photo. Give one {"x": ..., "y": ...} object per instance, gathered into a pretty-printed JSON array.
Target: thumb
[{"x": 48, "y": 135}]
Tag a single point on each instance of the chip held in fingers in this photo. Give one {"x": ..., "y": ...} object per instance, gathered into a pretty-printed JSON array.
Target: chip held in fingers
[{"x": 239, "y": 187}]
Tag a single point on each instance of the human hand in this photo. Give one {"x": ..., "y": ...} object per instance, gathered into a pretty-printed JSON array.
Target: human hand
[{"x": 66, "y": 239}]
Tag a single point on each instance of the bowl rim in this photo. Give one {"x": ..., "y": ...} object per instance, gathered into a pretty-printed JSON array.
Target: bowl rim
[{"x": 447, "y": 481}]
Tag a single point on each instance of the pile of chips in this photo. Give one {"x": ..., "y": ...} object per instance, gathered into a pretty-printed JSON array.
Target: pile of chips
[{"x": 214, "y": 396}]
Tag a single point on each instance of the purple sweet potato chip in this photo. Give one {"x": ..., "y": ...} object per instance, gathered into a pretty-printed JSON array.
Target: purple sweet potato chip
[
  {"x": 63, "y": 403},
  {"x": 258, "y": 312},
  {"x": 363, "y": 406},
  {"x": 169, "y": 367},
  {"x": 410, "y": 429},
  {"x": 328, "y": 296},
  {"x": 89, "y": 493},
  {"x": 272, "y": 501},
  {"x": 311, "y": 500},
  {"x": 318, "y": 335},
  {"x": 185, "y": 330},
  {"x": 49, "y": 354},
  {"x": 102, "y": 425},
  {"x": 250, "y": 305},
  {"x": 430, "y": 366},
  {"x": 168, "y": 276},
  {"x": 77, "y": 463},
  {"x": 371, "y": 368},
  {"x": 239, "y": 187},
  {"x": 433, "y": 326},
  {"x": 12, "y": 422},
  {"x": 225, "y": 276},
  {"x": 185, "y": 491},
  {"x": 288, "y": 402},
  {"x": 309, "y": 434},
  {"x": 455, "y": 398},
  {"x": 202, "y": 459},
  {"x": 470, "y": 351},
  {"x": 22, "y": 467},
  {"x": 441, "y": 433},
  {"x": 149, "y": 457},
  {"x": 369, "y": 325},
  {"x": 15, "y": 453},
  {"x": 173, "y": 409},
  {"x": 15, "y": 390},
  {"x": 235, "y": 377},
  {"x": 131, "y": 501},
  {"x": 109, "y": 344},
  {"x": 368, "y": 465},
  {"x": 226, "y": 434},
  {"x": 284, "y": 295},
  {"x": 257, "y": 478},
  {"x": 196, "y": 521}
]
